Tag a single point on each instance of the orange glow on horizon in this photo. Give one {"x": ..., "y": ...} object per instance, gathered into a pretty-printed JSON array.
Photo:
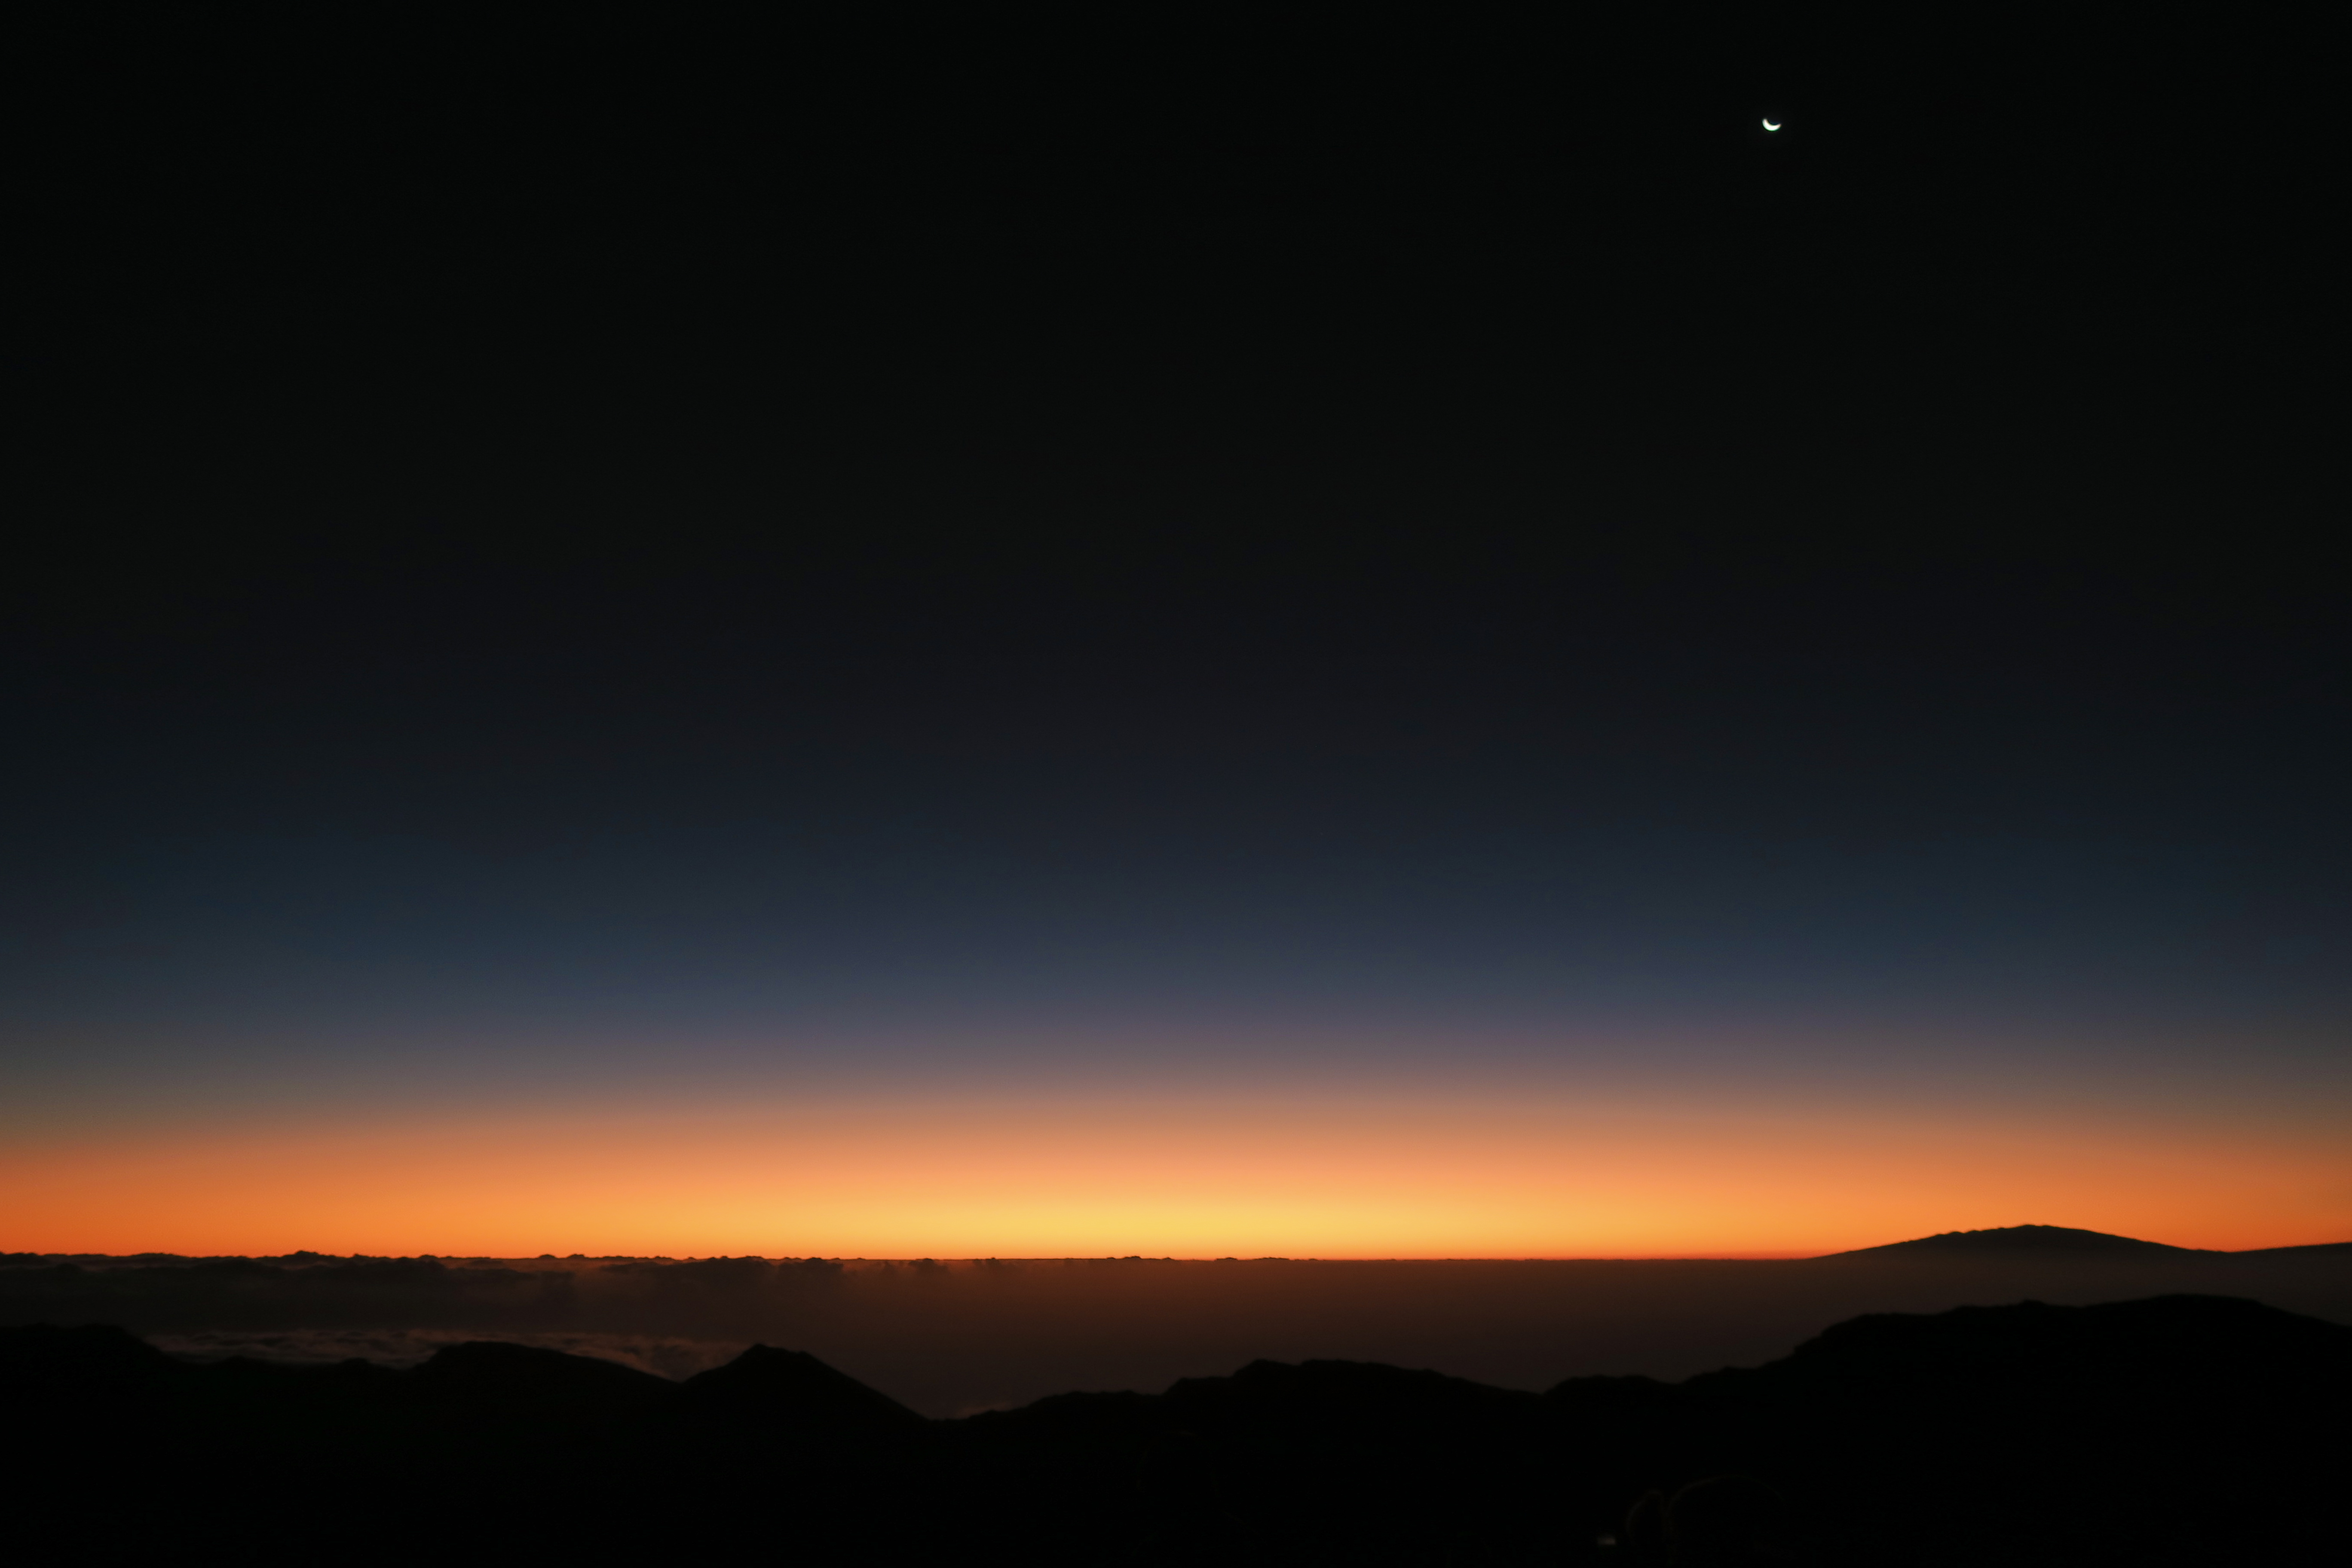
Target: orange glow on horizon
[{"x": 1393, "y": 1179}]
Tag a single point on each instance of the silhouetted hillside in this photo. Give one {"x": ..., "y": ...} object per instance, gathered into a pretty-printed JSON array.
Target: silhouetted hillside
[{"x": 2180, "y": 1429}]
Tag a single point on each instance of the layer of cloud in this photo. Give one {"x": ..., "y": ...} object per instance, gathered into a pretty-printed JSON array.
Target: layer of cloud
[
  {"x": 950, "y": 1337},
  {"x": 671, "y": 1358}
]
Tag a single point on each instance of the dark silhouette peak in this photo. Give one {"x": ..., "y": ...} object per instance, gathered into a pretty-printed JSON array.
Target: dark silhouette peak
[
  {"x": 492, "y": 1369},
  {"x": 790, "y": 1390},
  {"x": 2010, "y": 1239}
]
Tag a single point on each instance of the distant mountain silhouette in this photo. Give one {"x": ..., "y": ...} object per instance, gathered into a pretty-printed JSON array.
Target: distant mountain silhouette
[
  {"x": 2183, "y": 1429},
  {"x": 2324, "y": 1250},
  {"x": 790, "y": 1393},
  {"x": 2012, "y": 1240}
]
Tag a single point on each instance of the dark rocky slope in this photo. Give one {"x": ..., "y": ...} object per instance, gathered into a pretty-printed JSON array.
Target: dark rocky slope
[{"x": 2180, "y": 1429}]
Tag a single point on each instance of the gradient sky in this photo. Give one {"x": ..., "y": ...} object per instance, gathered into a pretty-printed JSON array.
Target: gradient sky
[{"x": 1617, "y": 688}]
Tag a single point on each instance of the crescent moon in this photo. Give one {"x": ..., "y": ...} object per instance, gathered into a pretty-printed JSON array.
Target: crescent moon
[{"x": 1770, "y": 126}]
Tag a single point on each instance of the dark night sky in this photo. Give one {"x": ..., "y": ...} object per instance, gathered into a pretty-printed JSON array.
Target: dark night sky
[{"x": 678, "y": 558}]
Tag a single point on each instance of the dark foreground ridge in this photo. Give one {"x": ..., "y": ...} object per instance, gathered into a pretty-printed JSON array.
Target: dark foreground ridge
[{"x": 2176, "y": 1429}]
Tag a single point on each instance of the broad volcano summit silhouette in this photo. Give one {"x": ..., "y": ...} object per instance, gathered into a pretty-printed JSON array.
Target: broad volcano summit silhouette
[{"x": 2043, "y": 1239}]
